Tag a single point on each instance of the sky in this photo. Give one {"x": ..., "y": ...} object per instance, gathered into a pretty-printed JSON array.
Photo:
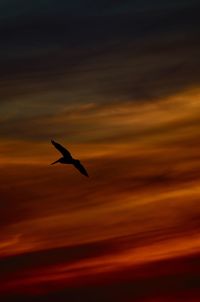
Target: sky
[{"x": 118, "y": 84}]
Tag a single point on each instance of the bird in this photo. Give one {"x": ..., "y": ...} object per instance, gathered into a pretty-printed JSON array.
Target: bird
[{"x": 68, "y": 159}]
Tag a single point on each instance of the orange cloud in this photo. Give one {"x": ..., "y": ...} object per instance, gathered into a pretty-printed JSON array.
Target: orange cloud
[{"x": 142, "y": 196}]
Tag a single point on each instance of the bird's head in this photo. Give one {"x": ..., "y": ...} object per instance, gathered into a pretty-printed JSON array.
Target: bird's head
[{"x": 55, "y": 162}]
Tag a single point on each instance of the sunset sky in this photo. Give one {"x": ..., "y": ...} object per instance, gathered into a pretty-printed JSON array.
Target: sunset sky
[{"x": 118, "y": 84}]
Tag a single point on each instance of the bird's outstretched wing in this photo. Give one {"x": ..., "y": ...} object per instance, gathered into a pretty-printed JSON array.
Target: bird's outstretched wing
[
  {"x": 62, "y": 150},
  {"x": 80, "y": 167}
]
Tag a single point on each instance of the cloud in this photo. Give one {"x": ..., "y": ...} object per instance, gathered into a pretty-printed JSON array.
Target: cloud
[
  {"x": 173, "y": 121},
  {"x": 121, "y": 92},
  {"x": 143, "y": 194},
  {"x": 156, "y": 280}
]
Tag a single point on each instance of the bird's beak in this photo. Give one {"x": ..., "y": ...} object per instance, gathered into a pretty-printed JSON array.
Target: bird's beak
[{"x": 55, "y": 162}]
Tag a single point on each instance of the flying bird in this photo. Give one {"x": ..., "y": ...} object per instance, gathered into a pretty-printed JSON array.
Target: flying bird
[{"x": 68, "y": 159}]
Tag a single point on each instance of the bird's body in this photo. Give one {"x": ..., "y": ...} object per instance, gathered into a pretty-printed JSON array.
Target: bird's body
[
  {"x": 64, "y": 160},
  {"x": 68, "y": 159}
]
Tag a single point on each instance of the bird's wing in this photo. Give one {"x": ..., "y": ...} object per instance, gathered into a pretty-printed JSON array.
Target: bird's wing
[
  {"x": 62, "y": 150},
  {"x": 80, "y": 167}
]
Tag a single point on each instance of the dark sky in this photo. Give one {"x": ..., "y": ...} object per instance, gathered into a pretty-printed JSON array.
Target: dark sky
[{"x": 110, "y": 51}]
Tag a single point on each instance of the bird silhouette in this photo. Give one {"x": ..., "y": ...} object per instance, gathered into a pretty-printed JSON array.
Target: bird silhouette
[{"x": 68, "y": 159}]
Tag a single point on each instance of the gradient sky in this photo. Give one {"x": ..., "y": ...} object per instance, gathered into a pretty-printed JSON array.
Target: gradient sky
[{"x": 118, "y": 83}]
